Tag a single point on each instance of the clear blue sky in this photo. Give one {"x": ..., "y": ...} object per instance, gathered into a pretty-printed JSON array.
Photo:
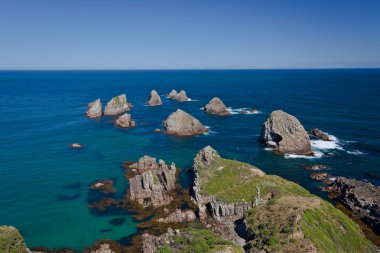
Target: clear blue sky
[{"x": 160, "y": 34}]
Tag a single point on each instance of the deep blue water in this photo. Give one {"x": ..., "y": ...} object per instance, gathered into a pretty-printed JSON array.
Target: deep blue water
[{"x": 42, "y": 113}]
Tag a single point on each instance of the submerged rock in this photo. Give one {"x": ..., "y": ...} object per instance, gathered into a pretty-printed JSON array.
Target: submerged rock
[
  {"x": 316, "y": 133},
  {"x": 154, "y": 99},
  {"x": 11, "y": 240},
  {"x": 173, "y": 94},
  {"x": 362, "y": 198},
  {"x": 316, "y": 167},
  {"x": 151, "y": 182},
  {"x": 285, "y": 134},
  {"x": 217, "y": 107},
  {"x": 183, "y": 124},
  {"x": 105, "y": 186},
  {"x": 94, "y": 109},
  {"x": 179, "y": 216},
  {"x": 125, "y": 121},
  {"x": 117, "y": 105}
]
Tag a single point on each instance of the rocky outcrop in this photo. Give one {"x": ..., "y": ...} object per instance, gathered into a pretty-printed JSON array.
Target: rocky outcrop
[
  {"x": 154, "y": 99},
  {"x": 179, "y": 216},
  {"x": 316, "y": 167},
  {"x": 217, "y": 107},
  {"x": 105, "y": 186},
  {"x": 94, "y": 109},
  {"x": 362, "y": 198},
  {"x": 76, "y": 145},
  {"x": 181, "y": 96},
  {"x": 285, "y": 134},
  {"x": 103, "y": 248},
  {"x": 151, "y": 243},
  {"x": 11, "y": 240},
  {"x": 125, "y": 121},
  {"x": 151, "y": 182},
  {"x": 183, "y": 124},
  {"x": 117, "y": 105},
  {"x": 316, "y": 133}
]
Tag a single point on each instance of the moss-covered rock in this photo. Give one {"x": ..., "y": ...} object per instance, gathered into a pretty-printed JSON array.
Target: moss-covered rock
[{"x": 11, "y": 240}]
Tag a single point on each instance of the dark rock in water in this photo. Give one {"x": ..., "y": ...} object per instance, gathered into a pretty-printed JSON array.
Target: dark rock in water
[
  {"x": 154, "y": 99},
  {"x": 63, "y": 197},
  {"x": 217, "y": 107},
  {"x": 125, "y": 121},
  {"x": 104, "y": 204},
  {"x": 117, "y": 221},
  {"x": 319, "y": 134},
  {"x": 117, "y": 105},
  {"x": 75, "y": 185},
  {"x": 104, "y": 186},
  {"x": 157, "y": 130},
  {"x": 105, "y": 246},
  {"x": 362, "y": 198},
  {"x": 11, "y": 240},
  {"x": 316, "y": 167},
  {"x": 94, "y": 109},
  {"x": 320, "y": 176},
  {"x": 105, "y": 230},
  {"x": 285, "y": 134},
  {"x": 151, "y": 182},
  {"x": 181, "y": 123},
  {"x": 179, "y": 216}
]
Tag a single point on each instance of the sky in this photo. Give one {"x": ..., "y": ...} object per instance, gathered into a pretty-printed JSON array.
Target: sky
[{"x": 196, "y": 34}]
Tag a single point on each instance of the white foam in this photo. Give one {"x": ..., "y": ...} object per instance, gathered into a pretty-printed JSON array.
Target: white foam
[
  {"x": 355, "y": 152},
  {"x": 235, "y": 111},
  {"x": 191, "y": 100},
  {"x": 317, "y": 154}
]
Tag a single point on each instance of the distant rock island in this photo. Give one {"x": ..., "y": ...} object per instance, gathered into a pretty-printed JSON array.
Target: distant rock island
[
  {"x": 181, "y": 96},
  {"x": 154, "y": 99},
  {"x": 117, "y": 105},
  {"x": 181, "y": 123},
  {"x": 125, "y": 121},
  {"x": 217, "y": 107},
  {"x": 94, "y": 109}
]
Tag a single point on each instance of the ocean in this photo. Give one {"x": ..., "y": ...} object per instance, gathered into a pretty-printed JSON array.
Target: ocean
[{"x": 44, "y": 183}]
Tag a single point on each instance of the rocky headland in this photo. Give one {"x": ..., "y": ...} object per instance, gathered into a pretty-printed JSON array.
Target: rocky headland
[
  {"x": 154, "y": 99},
  {"x": 285, "y": 134},
  {"x": 181, "y": 123},
  {"x": 216, "y": 107},
  {"x": 94, "y": 109},
  {"x": 125, "y": 121},
  {"x": 117, "y": 105}
]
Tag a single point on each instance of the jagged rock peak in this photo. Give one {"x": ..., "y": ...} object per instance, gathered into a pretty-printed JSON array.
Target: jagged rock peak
[
  {"x": 173, "y": 94},
  {"x": 217, "y": 107},
  {"x": 285, "y": 134},
  {"x": 154, "y": 99},
  {"x": 117, "y": 105},
  {"x": 125, "y": 121},
  {"x": 94, "y": 109}
]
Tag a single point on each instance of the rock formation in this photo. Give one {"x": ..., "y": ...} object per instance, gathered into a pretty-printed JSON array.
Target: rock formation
[
  {"x": 11, "y": 240},
  {"x": 181, "y": 96},
  {"x": 117, "y": 105},
  {"x": 316, "y": 167},
  {"x": 217, "y": 107},
  {"x": 105, "y": 186},
  {"x": 183, "y": 124},
  {"x": 76, "y": 145},
  {"x": 173, "y": 94},
  {"x": 316, "y": 133},
  {"x": 285, "y": 134},
  {"x": 362, "y": 198},
  {"x": 125, "y": 121},
  {"x": 179, "y": 216},
  {"x": 151, "y": 182},
  {"x": 154, "y": 99},
  {"x": 94, "y": 109}
]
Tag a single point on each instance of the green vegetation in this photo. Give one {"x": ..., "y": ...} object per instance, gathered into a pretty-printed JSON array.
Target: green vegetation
[
  {"x": 11, "y": 240},
  {"x": 193, "y": 240}
]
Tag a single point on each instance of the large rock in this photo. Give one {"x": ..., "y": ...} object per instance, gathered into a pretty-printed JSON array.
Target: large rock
[
  {"x": 173, "y": 94},
  {"x": 183, "y": 124},
  {"x": 154, "y": 99},
  {"x": 11, "y": 240},
  {"x": 152, "y": 182},
  {"x": 181, "y": 96},
  {"x": 216, "y": 106},
  {"x": 362, "y": 198},
  {"x": 316, "y": 133},
  {"x": 285, "y": 134},
  {"x": 117, "y": 105},
  {"x": 94, "y": 109},
  {"x": 125, "y": 121}
]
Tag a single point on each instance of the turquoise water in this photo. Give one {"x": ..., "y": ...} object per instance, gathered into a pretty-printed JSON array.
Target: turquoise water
[{"x": 42, "y": 113}]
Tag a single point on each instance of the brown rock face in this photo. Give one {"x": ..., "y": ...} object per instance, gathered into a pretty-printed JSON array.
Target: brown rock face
[
  {"x": 179, "y": 216},
  {"x": 181, "y": 96},
  {"x": 117, "y": 105},
  {"x": 316, "y": 133},
  {"x": 217, "y": 107},
  {"x": 173, "y": 94},
  {"x": 362, "y": 198},
  {"x": 183, "y": 124},
  {"x": 152, "y": 182},
  {"x": 125, "y": 121},
  {"x": 285, "y": 134},
  {"x": 154, "y": 99},
  {"x": 94, "y": 109}
]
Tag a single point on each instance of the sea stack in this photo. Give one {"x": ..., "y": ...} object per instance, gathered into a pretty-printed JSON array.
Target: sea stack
[
  {"x": 182, "y": 97},
  {"x": 154, "y": 99},
  {"x": 94, "y": 109},
  {"x": 125, "y": 121},
  {"x": 117, "y": 105},
  {"x": 151, "y": 182},
  {"x": 217, "y": 107},
  {"x": 181, "y": 123},
  {"x": 173, "y": 94},
  {"x": 285, "y": 134},
  {"x": 316, "y": 133}
]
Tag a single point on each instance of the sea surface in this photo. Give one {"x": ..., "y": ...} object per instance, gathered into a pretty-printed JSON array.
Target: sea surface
[{"x": 44, "y": 183}]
